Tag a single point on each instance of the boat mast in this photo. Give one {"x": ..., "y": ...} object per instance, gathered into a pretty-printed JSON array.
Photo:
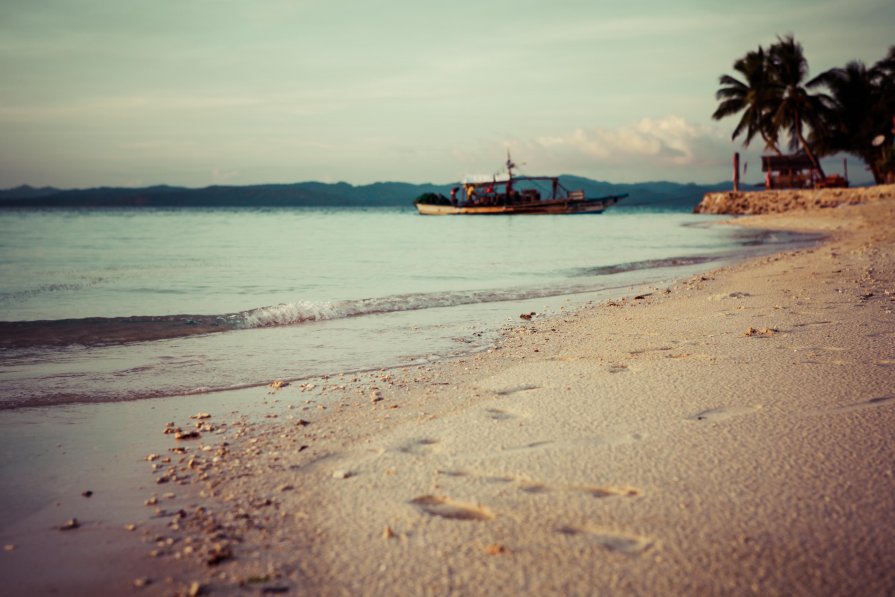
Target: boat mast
[{"x": 510, "y": 166}]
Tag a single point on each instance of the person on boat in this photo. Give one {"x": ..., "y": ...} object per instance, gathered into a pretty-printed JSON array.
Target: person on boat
[
  {"x": 470, "y": 193},
  {"x": 454, "y": 196}
]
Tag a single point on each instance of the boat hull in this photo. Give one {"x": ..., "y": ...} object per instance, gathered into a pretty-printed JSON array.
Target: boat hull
[{"x": 556, "y": 207}]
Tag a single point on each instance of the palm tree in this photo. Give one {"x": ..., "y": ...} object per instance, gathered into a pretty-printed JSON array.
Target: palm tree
[
  {"x": 792, "y": 106},
  {"x": 854, "y": 121},
  {"x": 749, "y": 97},
  {"x": 884, "y": 80},
  {"x": 863, "y": 108}
]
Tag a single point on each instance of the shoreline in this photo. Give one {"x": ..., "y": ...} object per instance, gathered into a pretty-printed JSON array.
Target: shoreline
[
  {"x": 487, "y": 314},
  {"x": 650, "y": 444}
]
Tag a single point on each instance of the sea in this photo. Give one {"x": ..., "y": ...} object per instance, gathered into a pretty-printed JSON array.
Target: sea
[{"x": 114, "y": 305}]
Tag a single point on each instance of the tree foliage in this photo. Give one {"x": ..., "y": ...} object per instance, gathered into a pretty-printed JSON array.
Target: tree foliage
[{"x": 849, "y": 109}]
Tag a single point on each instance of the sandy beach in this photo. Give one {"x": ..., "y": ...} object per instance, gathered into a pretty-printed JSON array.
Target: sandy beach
[{"x": 730, "y": 434}]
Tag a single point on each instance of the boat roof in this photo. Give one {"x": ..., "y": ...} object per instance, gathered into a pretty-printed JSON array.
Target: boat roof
[{"x": 482, "y": 178}]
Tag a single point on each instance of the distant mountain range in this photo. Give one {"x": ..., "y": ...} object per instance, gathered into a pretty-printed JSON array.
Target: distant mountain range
[{"x": 648, "y": 195}]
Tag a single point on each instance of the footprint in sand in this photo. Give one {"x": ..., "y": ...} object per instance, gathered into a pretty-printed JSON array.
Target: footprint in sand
[
  {"x": 516, "y": 389},
  {"x": 527, "y": 485},
  {"x": 530, "y": 446},
  {"x": 723, "y": 412},
  {"x": 872, "y": 403},
  {"x": 607, "y": 491},
  {"x": 581, "y": 442},
  {"x": 806, "y": 324},
  {"x": 498, "y": 415},
  {"x": 420, "y": 446},
  {"x": 443, "y": 507},
  {"x": 627, "y": 544}
]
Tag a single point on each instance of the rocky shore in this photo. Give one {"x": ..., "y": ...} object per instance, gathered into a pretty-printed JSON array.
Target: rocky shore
[{"x": 779, "y": 201}]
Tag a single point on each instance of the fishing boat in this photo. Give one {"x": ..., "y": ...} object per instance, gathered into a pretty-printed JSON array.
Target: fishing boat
[{"x": 508, "y": 194}]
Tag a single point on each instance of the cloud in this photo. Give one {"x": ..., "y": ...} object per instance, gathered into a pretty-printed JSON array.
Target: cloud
[
  {"x": 223, "y": 176},
  {"x": 667, "y": 141},
  {"x": 667, "y": 148}
]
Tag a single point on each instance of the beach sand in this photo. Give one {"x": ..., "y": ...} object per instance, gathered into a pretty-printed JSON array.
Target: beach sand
[{"x": 728, "y": 435}]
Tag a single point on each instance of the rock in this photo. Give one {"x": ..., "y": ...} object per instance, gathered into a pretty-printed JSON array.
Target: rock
[
  {"x": 341, "y": 474},
  {"x": 527, "y": 316},
  {"x": 87, "y": 493},
  {"x": 141, "y": 582},
  {"x": 195, "y": 589},
  {"x": 218, "y": 553},
  {"x": 200, "y": 416},
  {"x": 187, "y": 434},
  {"x": 388, "y": 533},
  {"x": 495, "y": 549},
  {"x": 71, "y": 523},
  {"x": 277, "y": 384},
  {"x": 9, "y": 547},
  {"x": 130, "y": 527}
]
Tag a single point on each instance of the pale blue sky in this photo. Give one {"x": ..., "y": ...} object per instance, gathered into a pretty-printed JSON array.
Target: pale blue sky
[{"x": 198, "y": 92}]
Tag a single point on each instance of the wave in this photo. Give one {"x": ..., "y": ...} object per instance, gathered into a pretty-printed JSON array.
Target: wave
[
  {"x": 76, "y": 286},
  {"x": 604, "y": 270},
  {"x": 98, "y": 331}
]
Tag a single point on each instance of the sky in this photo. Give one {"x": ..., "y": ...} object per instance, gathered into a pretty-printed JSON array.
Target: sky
[{"x": 201, "y": 92}]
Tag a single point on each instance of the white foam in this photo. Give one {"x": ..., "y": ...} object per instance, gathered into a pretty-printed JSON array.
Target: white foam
[{"x": 291, "y": 313}]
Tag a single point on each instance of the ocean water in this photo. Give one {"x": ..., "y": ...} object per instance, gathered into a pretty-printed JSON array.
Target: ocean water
[{"x": 121, "y": 305}]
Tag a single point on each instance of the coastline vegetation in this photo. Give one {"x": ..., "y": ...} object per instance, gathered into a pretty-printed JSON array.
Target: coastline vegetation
[{"x": 850, "y": 109}]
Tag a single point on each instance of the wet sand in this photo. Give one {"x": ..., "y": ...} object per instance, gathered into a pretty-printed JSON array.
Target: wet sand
[{"x": 730, "y": 434}]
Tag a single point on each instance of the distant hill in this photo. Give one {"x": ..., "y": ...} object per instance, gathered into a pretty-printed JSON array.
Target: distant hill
[
  {"x": 651, "y": 195},
  {"x": 26, "y": 192}
]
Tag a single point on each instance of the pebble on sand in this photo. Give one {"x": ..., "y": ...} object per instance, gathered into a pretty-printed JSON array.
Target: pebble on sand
[
  {"x": 341, "y": 474},
  {"x": 187, "y": 435},
  {"x": 71, "y": 523}
]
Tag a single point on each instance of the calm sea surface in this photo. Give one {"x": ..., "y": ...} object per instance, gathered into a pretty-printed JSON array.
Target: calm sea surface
[{"x": 119, "y": 305}]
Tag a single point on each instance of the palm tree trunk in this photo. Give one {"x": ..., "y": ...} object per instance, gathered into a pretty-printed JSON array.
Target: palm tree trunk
[
  {"x": 771, "y": 145},
  {"x": 804, "y": 143},
  {"x": 814, "y": 161}
]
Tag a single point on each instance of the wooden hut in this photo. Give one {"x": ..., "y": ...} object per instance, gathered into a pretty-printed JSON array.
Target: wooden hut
[
  {"x": 797, "y": 172},
  {"x": 789, "y": 171}
]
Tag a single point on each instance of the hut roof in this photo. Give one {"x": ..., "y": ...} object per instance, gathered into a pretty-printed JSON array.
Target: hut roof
[{"x": 776, "y": 163}]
